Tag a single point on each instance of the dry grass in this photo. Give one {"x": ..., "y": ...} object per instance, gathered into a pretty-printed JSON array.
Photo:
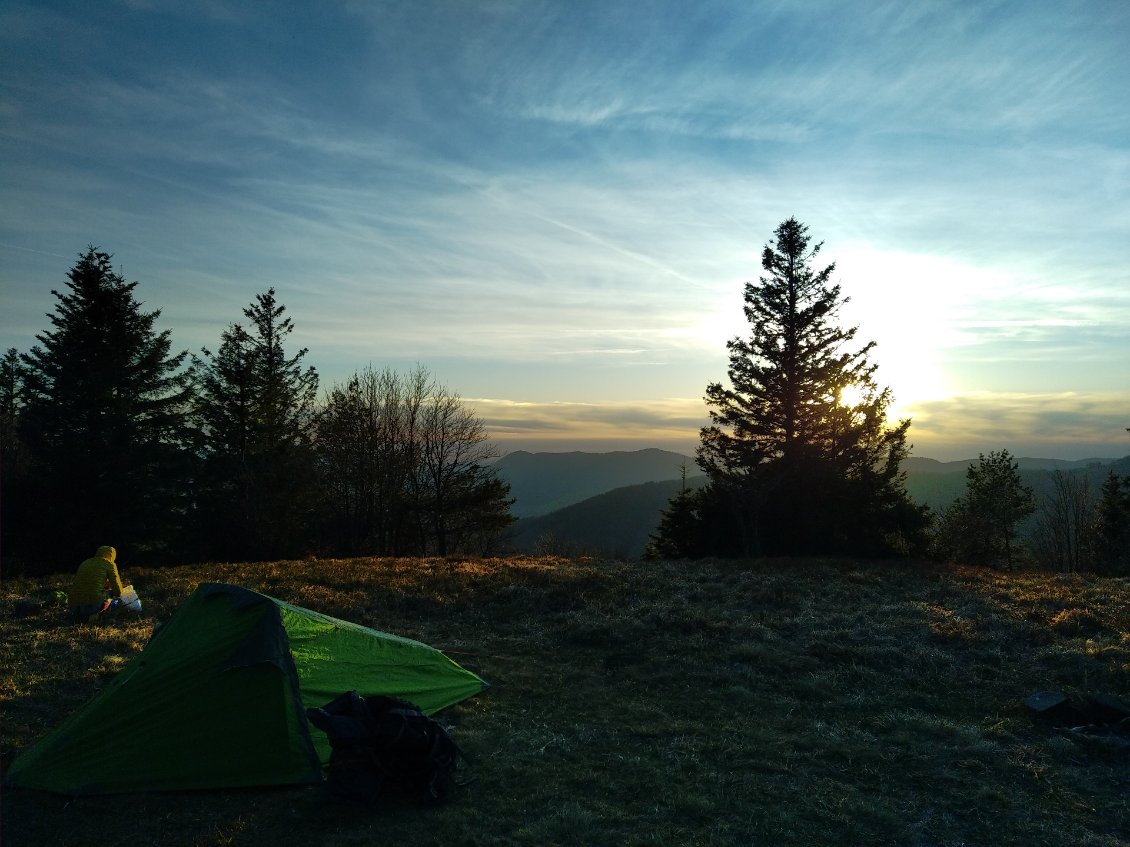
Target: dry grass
[{"x": 715, "y": 703}]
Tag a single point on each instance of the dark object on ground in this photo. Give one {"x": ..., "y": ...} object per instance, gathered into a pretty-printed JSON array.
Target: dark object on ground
[
  {"x": 383, "y": 743},
  {"x": 1101, "y": 711},
  {"x": 1110, "y": 710},
  {"x": 34, "y": 605},
  {"x": 26, "y": 608}
]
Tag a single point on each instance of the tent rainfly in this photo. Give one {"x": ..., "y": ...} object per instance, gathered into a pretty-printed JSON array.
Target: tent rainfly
[{"x": 218, "y": 699}]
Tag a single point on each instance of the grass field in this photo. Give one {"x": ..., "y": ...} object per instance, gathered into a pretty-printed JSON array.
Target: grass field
[{"x": 706, "y": 703}]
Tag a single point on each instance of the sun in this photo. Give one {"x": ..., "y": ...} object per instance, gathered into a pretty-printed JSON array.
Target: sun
[{"x": 852, "y": 395}]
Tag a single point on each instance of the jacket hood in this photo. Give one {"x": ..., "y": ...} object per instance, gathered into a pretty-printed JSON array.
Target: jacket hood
[{"x": 107, "y": 553}]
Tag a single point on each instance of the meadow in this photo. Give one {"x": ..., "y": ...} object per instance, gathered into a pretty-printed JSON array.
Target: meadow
[{"x": 778, "y": 702}]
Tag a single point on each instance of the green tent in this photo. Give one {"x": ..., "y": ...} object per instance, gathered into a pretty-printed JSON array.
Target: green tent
[{"x": 218, "y": 699}]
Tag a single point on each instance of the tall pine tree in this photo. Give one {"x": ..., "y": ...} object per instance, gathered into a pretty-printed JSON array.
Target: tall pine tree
[
  {"x": 255, "y": 418},
  {"x": 104, "y": 422},
  {"x": 796, "y": 467}
]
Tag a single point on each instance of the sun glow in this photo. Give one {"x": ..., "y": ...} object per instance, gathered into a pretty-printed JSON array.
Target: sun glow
[
  {"x": 852, "y": 395},
  {"x": 915, "y": 342},
  {"x": 916, "y": 334}
]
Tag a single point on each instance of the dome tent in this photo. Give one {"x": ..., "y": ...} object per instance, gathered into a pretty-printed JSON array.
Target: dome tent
[{"x": 218, "y": 699}]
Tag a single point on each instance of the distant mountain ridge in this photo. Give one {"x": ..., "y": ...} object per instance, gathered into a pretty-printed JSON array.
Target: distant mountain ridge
[
  {"x": 545, "y": 482},
  {"x": 619, "y": 519},
  {"x": 617, "y": 523},
  {"x": 917, "y": 464},
  {"x": 937, "y": 488}
]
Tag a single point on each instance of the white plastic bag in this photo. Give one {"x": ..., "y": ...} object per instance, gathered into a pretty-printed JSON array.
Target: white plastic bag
[{"x": 129, "y": 600}]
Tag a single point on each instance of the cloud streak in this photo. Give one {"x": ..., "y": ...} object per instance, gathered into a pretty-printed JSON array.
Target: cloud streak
[
  {"x": 671, "y": 423},
  {"x": 1071, "y": 425}
]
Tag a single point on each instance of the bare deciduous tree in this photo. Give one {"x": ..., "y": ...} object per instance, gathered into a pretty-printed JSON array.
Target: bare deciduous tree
[
  {"x": 1063, "y": 523},
  {"x": 404, "y": 464}
]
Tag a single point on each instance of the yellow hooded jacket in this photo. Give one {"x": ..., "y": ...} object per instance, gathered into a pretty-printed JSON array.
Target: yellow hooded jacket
[{"x": 90, "y": 581}]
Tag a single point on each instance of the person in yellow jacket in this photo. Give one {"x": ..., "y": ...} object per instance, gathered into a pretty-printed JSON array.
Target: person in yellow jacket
[{"x": 99, "y": 573}]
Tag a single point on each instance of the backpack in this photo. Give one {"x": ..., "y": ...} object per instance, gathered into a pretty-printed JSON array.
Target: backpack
[{"x": 380, "y": 743}]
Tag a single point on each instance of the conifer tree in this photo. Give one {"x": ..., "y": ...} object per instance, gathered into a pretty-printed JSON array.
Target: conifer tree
[
  {"x": 795, "y": 467},
  {"x": 12, "y": 450},
  {"x": 1110, "y": 532},
  {"x": 981, "y": 526},
  {"x": 104, "y": 419},
  {"x": 255, "y": 419},
  {"x": 678, "y": 534},
  {"x": 16, "y": 482}
]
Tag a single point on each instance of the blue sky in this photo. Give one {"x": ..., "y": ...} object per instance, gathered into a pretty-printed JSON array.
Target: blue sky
[{"x": 554, "y": 205}]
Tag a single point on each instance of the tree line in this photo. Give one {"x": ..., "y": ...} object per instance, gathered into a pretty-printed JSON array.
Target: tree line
[
  {"x": 1000, "y": 521},
  {"x": 801, "y": 460},
  {"x": 107, "y": 436}
]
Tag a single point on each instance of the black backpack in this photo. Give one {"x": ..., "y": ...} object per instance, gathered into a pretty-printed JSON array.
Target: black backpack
[{"x": 383, "y": 743}]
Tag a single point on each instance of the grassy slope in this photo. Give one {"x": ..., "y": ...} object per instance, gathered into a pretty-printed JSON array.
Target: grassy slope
[{"x": 707, "y": 703}]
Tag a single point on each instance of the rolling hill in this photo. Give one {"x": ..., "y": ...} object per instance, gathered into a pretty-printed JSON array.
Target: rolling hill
[
  {"x": 545, "y": 482},
  {"x": 616, "y": 523},
  {"x": 618, "y": 520}
]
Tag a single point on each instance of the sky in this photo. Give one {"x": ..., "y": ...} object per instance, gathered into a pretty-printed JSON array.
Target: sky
[{"x": 554, "y": 206}]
